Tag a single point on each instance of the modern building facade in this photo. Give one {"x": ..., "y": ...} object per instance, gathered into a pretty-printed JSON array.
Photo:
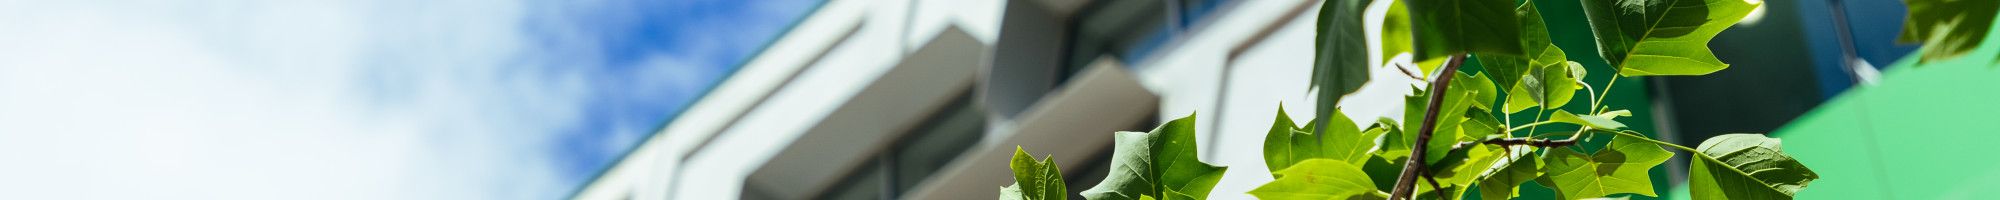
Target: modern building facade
[{"x": 927, "y": 99}]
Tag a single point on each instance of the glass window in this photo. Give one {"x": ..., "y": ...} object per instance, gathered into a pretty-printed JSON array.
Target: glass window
[
  {"x": 928, "y": 148},
  {"x": 1131, "y": 30},
  {"x": 865, "y": 183},
  {"x": 920, "y": 153}
]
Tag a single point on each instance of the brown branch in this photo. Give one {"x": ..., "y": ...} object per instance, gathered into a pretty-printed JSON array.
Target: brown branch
[
  {"x": 1543, "y": 143},
  {"x": 1405, "y": 69},
  {"x": 1407, "y": 182},
  {"x": 1432, "y": 177}
]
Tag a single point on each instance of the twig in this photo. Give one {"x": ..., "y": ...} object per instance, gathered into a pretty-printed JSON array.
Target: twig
[
  {"x": 1542, "y": 143},
  {"x": 1434, "y": 183},
  {"x": 1406, "y": 183},
  {"x": 1405, "y": 69}
]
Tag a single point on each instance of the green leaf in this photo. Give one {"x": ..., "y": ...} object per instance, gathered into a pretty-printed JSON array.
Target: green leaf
[
  {"x": 1948, "y": 28},
  {"x": 1447, "y": 170},
  {"x": 1395, "y": 31},
  {"x": 1662, "y": 37},
  {"x": 1469, "y": 161},
  {"x": 1559, "y": 84},
  {"x": 1619, "y": 168},
  {"x": 1468, "y": 165},
  {"x": 1153, "y": 163},
  {"x": 1428, "y": 66},
  {"x": 1320, "y": 179},
  {"x": 1034, "y": 180},
  {"x": 1592, "y": 121},
  {"x": 1457, "y": 99},
  {"x": 1343, "y": 142},
  {"x": 1479, "y": 124},
  {"x": 1286, "y": 144},
  {"x": 1278, "y": 143},
  {"x": 1528, "y": 93},
  {"x": 1425, "y": 192},
  {"x": 1550, "y": 87},
  {"x": 1505, "y": 182},
  {"x": 1013, "y": 192},
  {"x": 1521, "y": 75},
  {"x": 1461, "y": 118},
  {"x": 1446, "y": 27},
  {"x": 1177, "y": 195},
  {"x": 1464, "y": 96},
  {"x": 1401, "y": 142},
  {"x": 1750, "y": 166},
  {"x": 1340, "y": 61},
  {"x": 1398, "y": 141},
  {"x": 1615, "y": 114},
  {"x": 1383, "y": 169},
  {"x": 1484, "y": 92},
  {"x": 1507, "y": 70},
  {"x": 1414, "y": 106},
  {"x": 1460, "y": 169},
  {"x": 1445, "y": 137}
]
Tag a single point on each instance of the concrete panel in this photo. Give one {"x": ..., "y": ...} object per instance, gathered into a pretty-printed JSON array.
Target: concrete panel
[{"x": 873, "y": 119}]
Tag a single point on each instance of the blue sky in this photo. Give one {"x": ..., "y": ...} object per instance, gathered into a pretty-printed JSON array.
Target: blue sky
[
  {"x": 626, "y": 41},
  {"x": 360, "y": 99}
]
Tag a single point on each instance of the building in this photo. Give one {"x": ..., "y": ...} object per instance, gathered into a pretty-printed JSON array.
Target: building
[{"x": 926, "y": 99}]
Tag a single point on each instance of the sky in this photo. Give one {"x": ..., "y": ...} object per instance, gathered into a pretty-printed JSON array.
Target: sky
[{"x": 351, "y": 99}]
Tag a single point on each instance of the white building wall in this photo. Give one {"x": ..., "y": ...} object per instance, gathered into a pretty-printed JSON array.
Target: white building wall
[
  {"x": 780, "y": 93},
  {"x": 710, "y": 153},
  {"x": 888, "y": 31}
]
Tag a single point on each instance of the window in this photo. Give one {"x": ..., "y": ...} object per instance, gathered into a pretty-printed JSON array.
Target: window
[
  {"x": 920, "y": 153},
  {"x": 1131, "y": 30}
]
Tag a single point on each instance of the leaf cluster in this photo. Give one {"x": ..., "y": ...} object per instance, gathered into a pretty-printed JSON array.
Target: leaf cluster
[
  {"x": 1523, "y": 69},
  {"x": 1469, "y": 146},
  {"x": 1159, "y": 164}
]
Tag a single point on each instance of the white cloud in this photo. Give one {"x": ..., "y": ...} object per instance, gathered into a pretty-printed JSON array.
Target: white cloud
[{"x": 223, "y": 99}]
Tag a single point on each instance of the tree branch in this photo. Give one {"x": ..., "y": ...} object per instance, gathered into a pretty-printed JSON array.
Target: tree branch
[
  {"x": 1407, "y": 182},
  {"x": 1542, "y": 143},
  {"x": 1432, "y": 177}
]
